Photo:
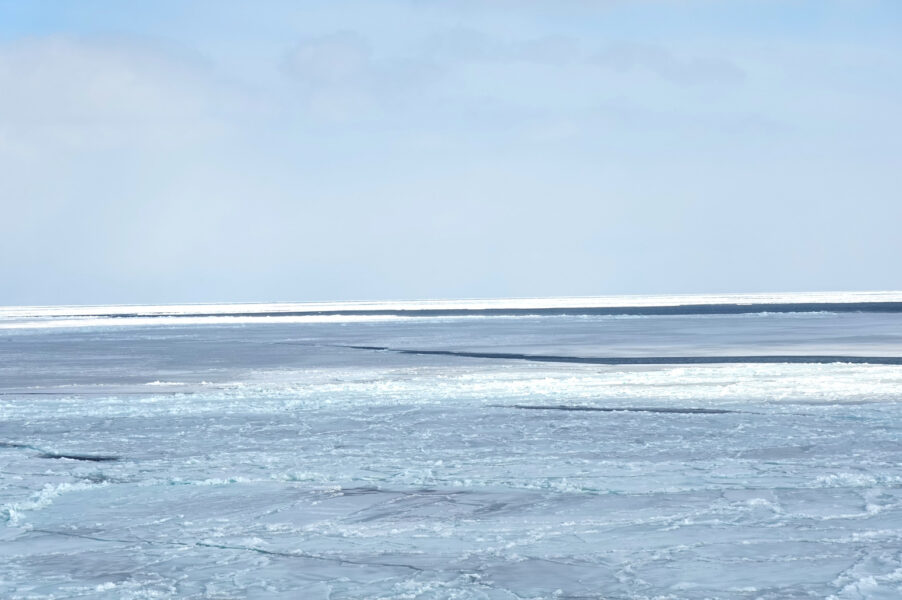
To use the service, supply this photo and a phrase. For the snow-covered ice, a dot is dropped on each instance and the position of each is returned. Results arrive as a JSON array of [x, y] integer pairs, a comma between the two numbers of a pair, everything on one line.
[[274, 459]]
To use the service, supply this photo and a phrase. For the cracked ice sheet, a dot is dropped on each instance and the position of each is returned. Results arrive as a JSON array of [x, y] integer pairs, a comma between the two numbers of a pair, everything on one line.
[[254, 466]]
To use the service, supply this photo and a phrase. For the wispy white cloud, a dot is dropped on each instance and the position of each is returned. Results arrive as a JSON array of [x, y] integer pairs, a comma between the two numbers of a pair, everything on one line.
[[468, 45], [341, 77], [339, 58], [103, 92], [658, 60], [471, 45]]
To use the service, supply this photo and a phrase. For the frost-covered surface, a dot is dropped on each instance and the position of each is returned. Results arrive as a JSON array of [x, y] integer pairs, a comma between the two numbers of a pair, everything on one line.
[[276, 461]]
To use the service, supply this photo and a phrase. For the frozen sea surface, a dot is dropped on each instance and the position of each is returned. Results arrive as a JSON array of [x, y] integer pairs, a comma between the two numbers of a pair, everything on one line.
[[389, 456]]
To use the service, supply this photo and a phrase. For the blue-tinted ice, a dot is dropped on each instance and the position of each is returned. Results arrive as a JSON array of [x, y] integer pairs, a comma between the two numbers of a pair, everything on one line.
[[292, 460]]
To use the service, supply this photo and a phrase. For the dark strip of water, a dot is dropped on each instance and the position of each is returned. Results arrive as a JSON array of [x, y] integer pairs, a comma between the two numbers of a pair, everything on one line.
[[654, 360]]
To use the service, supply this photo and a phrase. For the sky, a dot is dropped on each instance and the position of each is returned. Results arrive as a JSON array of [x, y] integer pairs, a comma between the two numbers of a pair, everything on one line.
[[204, 151]]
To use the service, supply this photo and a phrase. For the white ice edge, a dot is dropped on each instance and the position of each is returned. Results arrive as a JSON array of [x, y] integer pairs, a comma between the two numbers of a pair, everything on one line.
[[12, 312], [47, 322]]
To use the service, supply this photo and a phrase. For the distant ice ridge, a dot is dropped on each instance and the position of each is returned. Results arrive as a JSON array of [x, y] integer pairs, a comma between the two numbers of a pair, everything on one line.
[[52, 321], [19, 317]]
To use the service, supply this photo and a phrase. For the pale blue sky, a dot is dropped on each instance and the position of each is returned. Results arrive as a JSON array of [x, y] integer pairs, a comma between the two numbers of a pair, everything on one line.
[[204, 151]]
